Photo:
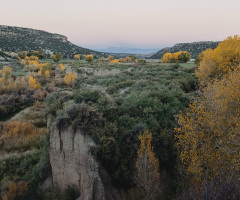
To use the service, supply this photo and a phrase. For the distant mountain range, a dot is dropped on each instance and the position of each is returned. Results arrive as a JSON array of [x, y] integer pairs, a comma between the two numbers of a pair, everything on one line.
[[125, 50], [193, 48], [15, 39]]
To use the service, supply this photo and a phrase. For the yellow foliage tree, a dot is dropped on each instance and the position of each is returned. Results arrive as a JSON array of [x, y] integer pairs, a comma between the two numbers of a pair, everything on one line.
[[110, 58], [115, 61], [208, 137], [215, 63], [47, 74], [147, 167], [167, 58], [38, 86], [77, 57], [176, 56], [19, 134], [89, 58], [121, 60], [23, 82], [33, 62], [128, 59], [32, 83], [6, 72], [34, 58], [69, 78], [62, 67]]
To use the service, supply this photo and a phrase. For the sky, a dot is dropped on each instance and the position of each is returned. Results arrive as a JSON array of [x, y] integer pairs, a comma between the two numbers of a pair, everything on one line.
[[127, 23]]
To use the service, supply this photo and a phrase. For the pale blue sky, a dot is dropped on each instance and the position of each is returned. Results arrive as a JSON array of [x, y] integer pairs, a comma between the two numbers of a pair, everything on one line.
[[131, 23]]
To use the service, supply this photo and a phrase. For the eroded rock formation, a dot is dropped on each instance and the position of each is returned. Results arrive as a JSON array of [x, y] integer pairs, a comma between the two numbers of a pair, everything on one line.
[[73, 164]]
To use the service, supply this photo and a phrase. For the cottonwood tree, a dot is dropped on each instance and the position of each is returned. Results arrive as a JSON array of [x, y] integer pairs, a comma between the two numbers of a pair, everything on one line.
[[62, 67], [147, 176], [69, 78], [33, 84], [215, 63], [178, 57], [77, 57], [167, 58], [89, 58], [209, 133], [110, 58]]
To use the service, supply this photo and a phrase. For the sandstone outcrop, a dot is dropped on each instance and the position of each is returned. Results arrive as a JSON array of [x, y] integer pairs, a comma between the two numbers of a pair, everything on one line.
[[73, 164]]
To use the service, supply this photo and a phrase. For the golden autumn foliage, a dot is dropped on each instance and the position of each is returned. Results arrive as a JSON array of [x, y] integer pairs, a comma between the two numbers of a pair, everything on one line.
[[130, 58], [198, 59], [47, 74], [208, 137], [121, 60], [215, 63], [77, 57], [33, 62], [147, 167], [115, 61], [69, 78], [10, 84], [15, 190], [32, 83], [23, 82], [6, 72], [62, 67], [167, 58], [110, 58], [178, 57], [89, 58], [102, 59], [19, 135], [34, 58]]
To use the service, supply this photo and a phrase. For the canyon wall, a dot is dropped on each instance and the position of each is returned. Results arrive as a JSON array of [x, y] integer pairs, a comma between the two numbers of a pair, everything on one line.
[[73, 164]]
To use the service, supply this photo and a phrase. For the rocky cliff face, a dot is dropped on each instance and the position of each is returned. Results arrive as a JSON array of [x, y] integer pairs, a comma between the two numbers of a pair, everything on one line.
[[73, 164]]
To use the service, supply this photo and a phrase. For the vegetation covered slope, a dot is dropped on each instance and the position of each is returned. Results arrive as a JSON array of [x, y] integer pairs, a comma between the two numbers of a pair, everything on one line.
[[117, 102], [17, 39], [194, 49]]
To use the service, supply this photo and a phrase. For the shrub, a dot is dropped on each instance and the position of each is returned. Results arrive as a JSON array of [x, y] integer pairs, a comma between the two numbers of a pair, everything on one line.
[[56, 57], [89, 58], [20, 135]]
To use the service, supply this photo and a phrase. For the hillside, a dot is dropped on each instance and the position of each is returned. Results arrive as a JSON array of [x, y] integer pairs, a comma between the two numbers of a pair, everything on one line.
[[15, 39], [193, 48]]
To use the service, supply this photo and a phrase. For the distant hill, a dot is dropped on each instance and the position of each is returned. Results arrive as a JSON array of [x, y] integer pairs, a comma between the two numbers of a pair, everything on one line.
[[123, 50], [15, 39], [194, 48]]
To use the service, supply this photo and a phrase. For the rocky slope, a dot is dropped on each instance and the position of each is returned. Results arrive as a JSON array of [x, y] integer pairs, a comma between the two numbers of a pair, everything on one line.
[[194, 49], [73, 164], [15, 39]]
